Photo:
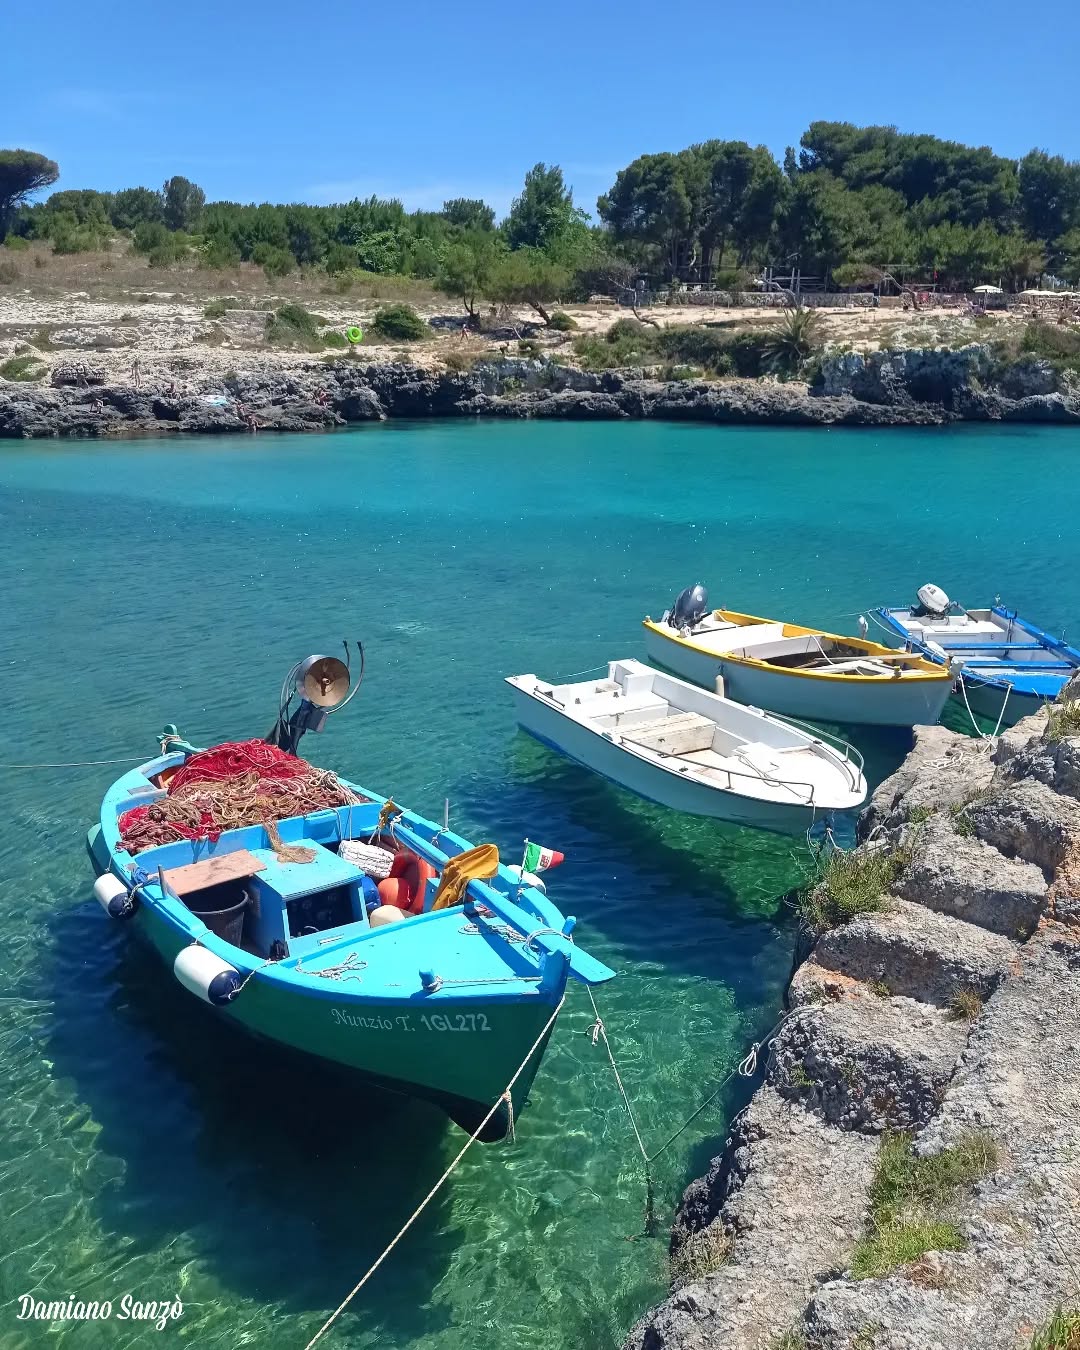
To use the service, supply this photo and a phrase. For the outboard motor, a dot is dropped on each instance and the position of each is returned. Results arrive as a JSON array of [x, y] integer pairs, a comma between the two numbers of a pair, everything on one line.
[[933, 603], [690, 607]]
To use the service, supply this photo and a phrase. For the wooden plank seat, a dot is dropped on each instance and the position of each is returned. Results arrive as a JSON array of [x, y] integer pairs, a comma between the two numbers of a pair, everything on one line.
[[197, 876], [682, 734]]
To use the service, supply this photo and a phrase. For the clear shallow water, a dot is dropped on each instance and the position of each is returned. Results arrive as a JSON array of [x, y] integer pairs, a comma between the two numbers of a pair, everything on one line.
[[140, 1150]]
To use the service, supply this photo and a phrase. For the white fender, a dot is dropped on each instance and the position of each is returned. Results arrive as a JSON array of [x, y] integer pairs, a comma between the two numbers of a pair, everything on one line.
[[108, 887], [206, 975], [382, 915]]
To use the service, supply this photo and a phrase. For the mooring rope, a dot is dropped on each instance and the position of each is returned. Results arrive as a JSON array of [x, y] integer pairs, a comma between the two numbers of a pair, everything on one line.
[[504, 1096], [745, 1068], [1001, 715], [79, 763]]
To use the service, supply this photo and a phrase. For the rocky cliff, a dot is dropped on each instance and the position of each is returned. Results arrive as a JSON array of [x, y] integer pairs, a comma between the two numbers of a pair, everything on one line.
[[908, 1176], [913, 388]]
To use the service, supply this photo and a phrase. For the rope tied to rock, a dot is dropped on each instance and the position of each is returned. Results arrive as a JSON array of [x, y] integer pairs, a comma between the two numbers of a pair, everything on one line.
[[747, 1067]]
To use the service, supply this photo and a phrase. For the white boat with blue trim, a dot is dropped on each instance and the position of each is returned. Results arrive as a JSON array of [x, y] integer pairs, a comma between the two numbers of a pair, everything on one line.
[[692, 750], [1005, 667]]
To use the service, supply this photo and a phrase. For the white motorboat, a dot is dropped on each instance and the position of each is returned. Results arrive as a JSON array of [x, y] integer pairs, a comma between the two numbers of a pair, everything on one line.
[[693, 750], [1006, 667]]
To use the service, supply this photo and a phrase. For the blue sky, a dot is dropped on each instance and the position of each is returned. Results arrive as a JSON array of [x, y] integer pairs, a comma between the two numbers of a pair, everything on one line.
[[435, 98]]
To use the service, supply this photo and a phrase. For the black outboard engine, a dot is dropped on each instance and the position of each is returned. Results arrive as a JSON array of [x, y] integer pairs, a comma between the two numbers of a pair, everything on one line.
[[690, 607]]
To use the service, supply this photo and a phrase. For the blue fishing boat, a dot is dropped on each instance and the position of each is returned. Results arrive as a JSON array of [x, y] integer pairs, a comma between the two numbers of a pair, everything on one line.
[[1004, 667], [321, 915]]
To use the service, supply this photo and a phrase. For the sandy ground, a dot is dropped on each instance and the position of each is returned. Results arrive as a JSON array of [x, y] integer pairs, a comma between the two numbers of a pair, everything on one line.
[[109, 310]]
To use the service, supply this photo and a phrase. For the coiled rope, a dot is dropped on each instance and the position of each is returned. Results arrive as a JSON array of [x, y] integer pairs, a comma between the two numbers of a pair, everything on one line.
[[504, 1096]]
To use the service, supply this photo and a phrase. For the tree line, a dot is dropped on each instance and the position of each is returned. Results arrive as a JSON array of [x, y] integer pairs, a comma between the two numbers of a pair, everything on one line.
[[849, 203]]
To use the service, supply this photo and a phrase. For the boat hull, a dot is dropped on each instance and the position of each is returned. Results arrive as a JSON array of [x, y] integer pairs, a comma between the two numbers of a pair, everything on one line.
[[596, 753], [817, 698], [454, 1053], [999, 639], [987, 700]]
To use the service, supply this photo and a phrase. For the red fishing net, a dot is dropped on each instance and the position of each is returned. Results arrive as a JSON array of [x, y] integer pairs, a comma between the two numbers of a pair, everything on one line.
[[232, 785]]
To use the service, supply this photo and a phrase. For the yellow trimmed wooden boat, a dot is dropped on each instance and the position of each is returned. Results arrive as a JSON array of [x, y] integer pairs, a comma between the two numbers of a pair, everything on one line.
[[798, 671]]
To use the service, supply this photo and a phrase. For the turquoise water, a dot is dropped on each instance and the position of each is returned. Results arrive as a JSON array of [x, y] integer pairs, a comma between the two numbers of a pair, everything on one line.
[[142, 1152]]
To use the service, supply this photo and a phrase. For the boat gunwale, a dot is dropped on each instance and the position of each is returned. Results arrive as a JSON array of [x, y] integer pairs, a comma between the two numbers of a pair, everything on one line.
[[656, 759], [1019, 687], [179, 918], [925, 670]]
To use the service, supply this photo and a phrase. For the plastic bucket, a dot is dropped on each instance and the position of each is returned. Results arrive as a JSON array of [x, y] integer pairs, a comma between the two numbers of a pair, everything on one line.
[[222, 909]]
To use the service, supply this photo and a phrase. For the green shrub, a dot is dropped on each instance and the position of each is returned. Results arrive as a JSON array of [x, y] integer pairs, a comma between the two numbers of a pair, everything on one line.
[[219, 253], [1052, 342], [16, 243], [792, 341], [76, 241], [335, 339], [562, 322], [294, 326], [625, 328], [275, 262], [1064, 720], [400, 322], [216, 309], [149, 235], [341, 259], [23, 369], [850, 884], [701, 1254], [910, 1198], [529, 347]]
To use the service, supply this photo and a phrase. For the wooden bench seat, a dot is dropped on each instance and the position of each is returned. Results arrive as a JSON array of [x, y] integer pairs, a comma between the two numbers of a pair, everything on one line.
[[681, 734]]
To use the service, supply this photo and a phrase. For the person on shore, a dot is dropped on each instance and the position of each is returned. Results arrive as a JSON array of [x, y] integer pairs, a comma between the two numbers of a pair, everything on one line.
[[136, 373]]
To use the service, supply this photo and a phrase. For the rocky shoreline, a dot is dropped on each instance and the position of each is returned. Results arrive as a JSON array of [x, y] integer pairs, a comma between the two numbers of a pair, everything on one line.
[[920, 387], [950, 1011]]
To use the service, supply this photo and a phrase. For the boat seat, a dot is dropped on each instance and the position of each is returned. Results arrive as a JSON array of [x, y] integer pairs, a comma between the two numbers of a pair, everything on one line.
[[683, 734]]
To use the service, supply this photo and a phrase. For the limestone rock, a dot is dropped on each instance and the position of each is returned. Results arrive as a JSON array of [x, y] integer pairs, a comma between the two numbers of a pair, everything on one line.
[[791, 1197], [918, 953], [943, 770], [868, 1063], [967, 878], [1025, 818]]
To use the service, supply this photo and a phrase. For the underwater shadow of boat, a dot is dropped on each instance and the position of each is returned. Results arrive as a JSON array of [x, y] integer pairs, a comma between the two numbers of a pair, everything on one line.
[[226, 1139], [688, 850]]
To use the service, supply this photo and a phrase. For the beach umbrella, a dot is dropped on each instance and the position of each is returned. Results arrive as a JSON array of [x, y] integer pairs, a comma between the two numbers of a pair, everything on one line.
[[988, 290]]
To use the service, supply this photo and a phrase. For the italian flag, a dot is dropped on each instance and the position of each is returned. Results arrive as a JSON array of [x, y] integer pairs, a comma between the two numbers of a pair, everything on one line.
[[538, 859]]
